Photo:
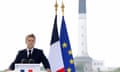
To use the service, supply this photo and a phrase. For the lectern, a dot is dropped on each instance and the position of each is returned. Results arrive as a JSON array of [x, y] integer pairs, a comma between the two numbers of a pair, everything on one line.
[[27, 67]]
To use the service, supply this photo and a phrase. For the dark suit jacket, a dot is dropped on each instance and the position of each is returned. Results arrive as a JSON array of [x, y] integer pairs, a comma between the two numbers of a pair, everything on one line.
[[37, 57]]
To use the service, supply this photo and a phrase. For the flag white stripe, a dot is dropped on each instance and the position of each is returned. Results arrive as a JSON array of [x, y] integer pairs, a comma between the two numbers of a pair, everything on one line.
[[55, 57]]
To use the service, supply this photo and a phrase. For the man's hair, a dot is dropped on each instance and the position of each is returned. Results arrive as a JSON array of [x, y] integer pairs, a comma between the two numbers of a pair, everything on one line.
[[30, 35]]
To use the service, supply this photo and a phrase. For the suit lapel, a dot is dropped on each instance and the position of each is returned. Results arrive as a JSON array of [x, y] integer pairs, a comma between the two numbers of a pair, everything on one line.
[[25, 53], [33, 52]]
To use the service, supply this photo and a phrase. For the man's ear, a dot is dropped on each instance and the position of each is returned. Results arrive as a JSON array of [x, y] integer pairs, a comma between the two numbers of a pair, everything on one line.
[[25, 41]]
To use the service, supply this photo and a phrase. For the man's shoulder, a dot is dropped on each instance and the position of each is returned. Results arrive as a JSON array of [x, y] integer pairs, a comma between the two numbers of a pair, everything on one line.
[[39, 50], [23, 50], [35, 49]]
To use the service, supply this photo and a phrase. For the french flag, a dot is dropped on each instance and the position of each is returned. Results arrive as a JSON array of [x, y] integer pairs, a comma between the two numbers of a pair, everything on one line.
[[55, 54], [29, 70]]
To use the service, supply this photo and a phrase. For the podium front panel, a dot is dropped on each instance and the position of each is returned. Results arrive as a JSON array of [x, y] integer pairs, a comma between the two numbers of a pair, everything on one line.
[[27, 67]]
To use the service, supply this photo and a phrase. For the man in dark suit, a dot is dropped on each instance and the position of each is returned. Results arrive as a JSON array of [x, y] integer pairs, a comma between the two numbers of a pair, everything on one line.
[[30, 55]]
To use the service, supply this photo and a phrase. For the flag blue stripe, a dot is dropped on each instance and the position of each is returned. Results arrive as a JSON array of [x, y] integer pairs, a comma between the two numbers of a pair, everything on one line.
[[55, 36], [22, 70]]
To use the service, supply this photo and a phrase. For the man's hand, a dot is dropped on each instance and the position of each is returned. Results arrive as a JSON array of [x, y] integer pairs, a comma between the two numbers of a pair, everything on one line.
[[48, 70], [7, 70]]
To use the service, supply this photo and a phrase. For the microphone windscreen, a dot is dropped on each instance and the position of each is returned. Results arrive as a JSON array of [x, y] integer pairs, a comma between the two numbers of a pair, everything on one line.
[[24, 61], [31, 61]]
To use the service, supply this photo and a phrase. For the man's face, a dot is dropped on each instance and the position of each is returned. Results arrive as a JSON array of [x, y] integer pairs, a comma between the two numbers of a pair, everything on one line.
[[30, 41]]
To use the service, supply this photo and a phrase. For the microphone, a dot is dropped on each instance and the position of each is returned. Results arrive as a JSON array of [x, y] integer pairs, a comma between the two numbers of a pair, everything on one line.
[[24, 61], [30, 61]]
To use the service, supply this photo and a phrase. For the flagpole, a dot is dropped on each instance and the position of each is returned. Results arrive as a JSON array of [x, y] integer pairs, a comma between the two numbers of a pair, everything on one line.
[[56, 7], [62, 7]]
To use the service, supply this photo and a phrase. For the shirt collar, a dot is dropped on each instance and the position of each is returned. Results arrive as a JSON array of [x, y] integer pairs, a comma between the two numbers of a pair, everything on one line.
[[28, 50]]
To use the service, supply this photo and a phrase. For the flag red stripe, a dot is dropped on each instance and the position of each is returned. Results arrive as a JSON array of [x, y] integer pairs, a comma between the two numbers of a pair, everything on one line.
[[61, 70], [30, 70]]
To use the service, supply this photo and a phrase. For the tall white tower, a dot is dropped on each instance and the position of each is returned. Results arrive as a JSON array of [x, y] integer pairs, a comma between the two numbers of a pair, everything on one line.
[[83, 61], [82, 49]]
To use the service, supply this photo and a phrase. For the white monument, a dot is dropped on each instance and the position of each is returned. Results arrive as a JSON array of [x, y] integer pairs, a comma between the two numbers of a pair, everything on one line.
[[83, 61], [82, 50]]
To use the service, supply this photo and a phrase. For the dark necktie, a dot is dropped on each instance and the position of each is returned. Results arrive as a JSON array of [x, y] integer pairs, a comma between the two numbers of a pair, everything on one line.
[[29, 56]]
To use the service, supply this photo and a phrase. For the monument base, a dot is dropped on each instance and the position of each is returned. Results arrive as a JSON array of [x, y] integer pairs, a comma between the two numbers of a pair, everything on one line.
[[83, 64]]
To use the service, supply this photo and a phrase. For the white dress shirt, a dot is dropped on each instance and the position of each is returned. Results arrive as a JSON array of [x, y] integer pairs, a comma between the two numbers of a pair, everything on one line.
[[28, 51]]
